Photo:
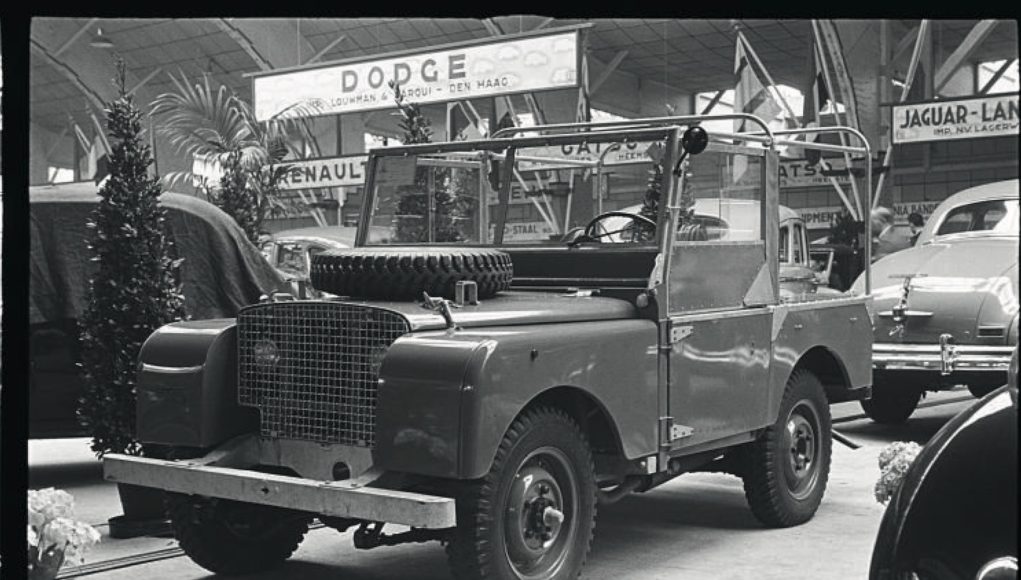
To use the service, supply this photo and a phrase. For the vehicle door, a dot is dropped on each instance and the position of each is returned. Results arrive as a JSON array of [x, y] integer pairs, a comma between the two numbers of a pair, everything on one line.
[[719, 291]]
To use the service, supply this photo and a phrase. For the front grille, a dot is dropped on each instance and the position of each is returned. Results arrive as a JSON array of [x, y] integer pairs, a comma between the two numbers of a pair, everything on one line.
[[311, 368]]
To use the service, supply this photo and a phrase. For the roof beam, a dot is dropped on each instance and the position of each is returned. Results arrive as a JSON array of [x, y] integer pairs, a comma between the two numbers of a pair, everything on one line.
[[67, 43], [244, 42], [322, 52], [145, 80], [612, 66], [907, 40], [996, 76], [963, 52], [68, 72]]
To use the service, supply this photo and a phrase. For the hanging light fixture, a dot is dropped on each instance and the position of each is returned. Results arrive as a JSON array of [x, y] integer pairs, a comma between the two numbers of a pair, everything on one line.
[[100, 41]]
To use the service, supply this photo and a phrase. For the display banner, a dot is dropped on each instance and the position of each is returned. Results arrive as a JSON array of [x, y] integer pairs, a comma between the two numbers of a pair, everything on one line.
[[901, 211], [468, 71], [816, 218], [343, 171], [801, 173], [523, 231], [628, 153], [992, 116]]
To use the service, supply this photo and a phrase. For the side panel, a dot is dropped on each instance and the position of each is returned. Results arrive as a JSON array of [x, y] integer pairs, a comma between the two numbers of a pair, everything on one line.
[[719, 374], [841, 326], [614, 361]]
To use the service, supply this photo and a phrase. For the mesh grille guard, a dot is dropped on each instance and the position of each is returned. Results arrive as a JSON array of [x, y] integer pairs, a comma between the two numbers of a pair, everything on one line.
[[312, 368]]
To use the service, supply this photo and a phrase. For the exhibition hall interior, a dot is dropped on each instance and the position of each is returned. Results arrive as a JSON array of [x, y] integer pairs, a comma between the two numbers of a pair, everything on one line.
[[521, 297]]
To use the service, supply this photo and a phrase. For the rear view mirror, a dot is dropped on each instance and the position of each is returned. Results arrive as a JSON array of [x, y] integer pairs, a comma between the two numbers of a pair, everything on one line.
[[695, 140]]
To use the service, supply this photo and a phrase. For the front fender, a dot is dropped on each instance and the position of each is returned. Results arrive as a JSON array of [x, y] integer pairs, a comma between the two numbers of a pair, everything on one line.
[[447, 398]]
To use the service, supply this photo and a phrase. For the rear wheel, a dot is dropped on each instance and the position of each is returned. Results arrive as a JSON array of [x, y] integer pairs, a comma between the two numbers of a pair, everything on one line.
[[533, 515], [787, 468], [893, 400], [230, 537]]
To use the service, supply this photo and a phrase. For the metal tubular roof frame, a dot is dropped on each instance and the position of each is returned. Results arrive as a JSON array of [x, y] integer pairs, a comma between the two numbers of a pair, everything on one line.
[[865, 148], [647, 121]]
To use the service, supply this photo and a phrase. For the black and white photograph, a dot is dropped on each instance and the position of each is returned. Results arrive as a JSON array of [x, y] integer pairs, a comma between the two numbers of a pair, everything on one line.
[[510, 297]]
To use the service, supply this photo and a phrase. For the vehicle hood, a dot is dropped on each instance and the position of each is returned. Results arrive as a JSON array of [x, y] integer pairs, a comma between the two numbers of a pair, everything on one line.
[[964, 283], [513, 308]]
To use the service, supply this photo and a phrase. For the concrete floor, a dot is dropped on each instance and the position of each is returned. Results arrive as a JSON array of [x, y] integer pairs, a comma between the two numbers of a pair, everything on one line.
[[695, 527]]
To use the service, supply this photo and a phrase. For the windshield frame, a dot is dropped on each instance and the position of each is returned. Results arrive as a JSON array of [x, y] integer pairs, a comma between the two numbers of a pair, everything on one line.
[[507, 148]]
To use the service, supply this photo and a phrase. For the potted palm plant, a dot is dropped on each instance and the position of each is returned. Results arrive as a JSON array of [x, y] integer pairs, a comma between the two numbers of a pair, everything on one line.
[[211, 122]]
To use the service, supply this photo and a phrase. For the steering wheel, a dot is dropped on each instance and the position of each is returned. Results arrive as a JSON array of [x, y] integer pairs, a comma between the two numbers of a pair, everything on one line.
[[590, 234]]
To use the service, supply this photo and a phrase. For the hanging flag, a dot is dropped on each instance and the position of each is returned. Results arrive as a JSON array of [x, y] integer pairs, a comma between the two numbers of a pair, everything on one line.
[[751, 96], [584, 113], [832, 50], [460, 125]]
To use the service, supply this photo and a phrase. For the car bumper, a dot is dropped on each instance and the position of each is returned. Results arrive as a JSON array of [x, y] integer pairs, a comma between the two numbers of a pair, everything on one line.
[[343, 499], [945, 357]]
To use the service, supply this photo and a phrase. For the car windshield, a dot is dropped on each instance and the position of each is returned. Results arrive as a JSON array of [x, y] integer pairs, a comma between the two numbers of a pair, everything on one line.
[[555, 194], [997, 216]]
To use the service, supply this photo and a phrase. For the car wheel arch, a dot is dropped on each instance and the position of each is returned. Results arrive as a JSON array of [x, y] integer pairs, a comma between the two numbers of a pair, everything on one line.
[[828, 367]]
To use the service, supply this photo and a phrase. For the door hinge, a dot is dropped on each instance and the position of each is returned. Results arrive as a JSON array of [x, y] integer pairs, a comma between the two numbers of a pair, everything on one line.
[[679, 333], [669, 432]]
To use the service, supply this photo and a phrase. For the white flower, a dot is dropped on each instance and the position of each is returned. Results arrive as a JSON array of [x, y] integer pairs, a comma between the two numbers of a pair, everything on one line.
[[33, 537], [52, 527], [894, 462], [51, 503]]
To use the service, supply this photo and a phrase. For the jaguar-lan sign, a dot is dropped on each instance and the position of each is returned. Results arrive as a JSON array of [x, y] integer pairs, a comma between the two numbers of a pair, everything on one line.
[[991, 116], [513, 64]]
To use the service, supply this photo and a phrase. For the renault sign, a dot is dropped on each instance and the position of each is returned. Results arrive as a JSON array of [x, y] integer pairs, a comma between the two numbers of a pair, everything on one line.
[[511, 64], [943, 120]]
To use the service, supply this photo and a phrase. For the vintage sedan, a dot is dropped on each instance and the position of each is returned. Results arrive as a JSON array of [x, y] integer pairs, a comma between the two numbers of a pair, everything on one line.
[[955, 513], [946, 310], [291, 251]]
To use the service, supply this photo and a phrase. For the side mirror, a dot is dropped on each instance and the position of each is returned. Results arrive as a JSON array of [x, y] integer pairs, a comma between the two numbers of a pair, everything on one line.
[[695, 140]]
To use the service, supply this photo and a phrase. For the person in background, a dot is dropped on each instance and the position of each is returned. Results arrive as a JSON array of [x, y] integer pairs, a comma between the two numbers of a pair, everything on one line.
[[916, 223], [885, 237]]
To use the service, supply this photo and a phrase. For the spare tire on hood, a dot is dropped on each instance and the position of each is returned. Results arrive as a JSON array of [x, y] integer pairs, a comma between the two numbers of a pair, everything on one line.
[[403, 273]]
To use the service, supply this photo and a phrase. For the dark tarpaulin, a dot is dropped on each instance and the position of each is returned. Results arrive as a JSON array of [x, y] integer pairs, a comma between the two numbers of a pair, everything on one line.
[[222, 271]]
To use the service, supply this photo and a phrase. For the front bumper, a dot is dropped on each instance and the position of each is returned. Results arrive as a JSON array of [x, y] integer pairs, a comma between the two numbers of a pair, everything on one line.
[[345, 499], [945, 357]]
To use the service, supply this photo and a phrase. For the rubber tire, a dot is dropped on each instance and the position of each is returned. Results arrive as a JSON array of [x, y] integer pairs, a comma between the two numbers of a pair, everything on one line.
[[765, 487], [203, 536], [402, 273], [979, 390], [477, 551], [892, 401]]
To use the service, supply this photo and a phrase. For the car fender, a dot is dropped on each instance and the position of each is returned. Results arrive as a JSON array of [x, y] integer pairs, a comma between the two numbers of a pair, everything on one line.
[[446, 417]]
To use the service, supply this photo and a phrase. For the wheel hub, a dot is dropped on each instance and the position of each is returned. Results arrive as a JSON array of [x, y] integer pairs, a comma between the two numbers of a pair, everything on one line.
[[802, 448], [538, 525]]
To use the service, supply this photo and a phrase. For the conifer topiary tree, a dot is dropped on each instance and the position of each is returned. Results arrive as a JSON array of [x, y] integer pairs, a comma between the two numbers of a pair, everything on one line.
[[413, 208], [133, 289]]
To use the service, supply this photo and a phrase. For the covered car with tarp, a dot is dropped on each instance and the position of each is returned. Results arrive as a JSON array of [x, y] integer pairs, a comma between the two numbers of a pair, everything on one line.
[[221, 272]]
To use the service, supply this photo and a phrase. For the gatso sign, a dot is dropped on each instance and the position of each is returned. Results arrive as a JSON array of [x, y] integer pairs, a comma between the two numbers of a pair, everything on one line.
[[522, 63], [992, 116]]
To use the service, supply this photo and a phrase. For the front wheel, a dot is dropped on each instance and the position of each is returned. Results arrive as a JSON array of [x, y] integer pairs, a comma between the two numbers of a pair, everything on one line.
[[532, 516], [786, 469], [231, 537]]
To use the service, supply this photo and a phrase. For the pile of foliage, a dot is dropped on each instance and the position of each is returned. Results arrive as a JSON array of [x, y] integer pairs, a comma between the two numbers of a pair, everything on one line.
[[894, 462]]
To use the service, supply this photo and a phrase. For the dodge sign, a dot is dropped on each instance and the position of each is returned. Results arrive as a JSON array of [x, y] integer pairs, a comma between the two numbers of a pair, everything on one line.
[[523, 63], [992, 116]]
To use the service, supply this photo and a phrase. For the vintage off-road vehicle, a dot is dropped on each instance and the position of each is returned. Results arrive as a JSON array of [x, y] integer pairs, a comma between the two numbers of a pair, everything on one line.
[[493, 359]]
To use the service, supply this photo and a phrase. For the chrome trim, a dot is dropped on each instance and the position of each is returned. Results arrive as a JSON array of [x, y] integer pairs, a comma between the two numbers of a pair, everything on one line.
[[997, 567], [345, 499], [931, 357], [171, 370]]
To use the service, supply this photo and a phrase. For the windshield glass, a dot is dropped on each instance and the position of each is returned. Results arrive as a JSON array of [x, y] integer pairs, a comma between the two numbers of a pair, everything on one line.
[[603, 190], [998, 216]]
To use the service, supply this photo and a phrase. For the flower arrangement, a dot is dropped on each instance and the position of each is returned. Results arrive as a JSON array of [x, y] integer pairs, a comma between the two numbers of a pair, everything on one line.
[[894, 461], [54, 536]]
